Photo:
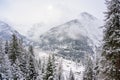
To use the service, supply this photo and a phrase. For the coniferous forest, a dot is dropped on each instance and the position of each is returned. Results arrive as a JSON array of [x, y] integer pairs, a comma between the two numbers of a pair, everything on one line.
[[66, 58]]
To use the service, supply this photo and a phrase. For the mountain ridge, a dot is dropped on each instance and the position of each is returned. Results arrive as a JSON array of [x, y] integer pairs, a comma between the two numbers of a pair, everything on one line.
[[6, 32], [74, 38]]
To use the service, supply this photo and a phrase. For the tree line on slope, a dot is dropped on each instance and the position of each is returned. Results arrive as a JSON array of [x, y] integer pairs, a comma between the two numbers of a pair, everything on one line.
[[19, 63], [16, 63]]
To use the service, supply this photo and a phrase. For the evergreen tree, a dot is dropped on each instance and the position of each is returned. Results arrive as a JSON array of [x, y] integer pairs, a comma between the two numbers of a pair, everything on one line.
[[2, 61], [110, 63], [39, 69], [6, 47], [31, 50], [39, 64], [71, 75], [1, 54], [14, 56], [7, 65], [14, 49], [54, 66], [88, 73], [32, 70], [96, 61], [60, 72], [15, 62], [49, 74], [23, 59], [43, 66]]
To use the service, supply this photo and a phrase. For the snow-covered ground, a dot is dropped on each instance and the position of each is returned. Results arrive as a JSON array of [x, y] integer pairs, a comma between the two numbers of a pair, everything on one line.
[[75, 67], [67, 65]]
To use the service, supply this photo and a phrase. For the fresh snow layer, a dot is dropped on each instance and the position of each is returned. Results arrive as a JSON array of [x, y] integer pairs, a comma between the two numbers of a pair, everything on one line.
[[67, 65], [75, 67]]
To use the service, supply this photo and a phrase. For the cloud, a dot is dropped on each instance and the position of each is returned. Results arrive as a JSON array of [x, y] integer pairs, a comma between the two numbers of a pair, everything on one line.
[[50, 12]]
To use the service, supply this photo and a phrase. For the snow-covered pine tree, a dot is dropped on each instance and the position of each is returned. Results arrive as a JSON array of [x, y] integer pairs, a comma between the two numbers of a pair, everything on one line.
[[14, 49], [43, 66], [39, 64], [88, 73], [6, 47], [96, 60], [7, 61], [59, 71], [49, 73], [54, 66], [39, 69], [110, 63], [23, 60], [71, 75], [31, 50], [3, 66], [32, 70], [1, 59], [14, 53]]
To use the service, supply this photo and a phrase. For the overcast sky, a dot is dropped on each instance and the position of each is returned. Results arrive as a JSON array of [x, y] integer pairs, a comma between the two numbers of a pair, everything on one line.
[[26, 12]]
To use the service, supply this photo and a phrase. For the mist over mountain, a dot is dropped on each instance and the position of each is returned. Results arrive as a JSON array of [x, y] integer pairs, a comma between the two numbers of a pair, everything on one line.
[[74, 38], [72, 41], [59, 40], [81, 35]]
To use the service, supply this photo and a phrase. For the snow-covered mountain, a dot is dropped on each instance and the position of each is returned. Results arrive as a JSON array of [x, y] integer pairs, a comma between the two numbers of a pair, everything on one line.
[[6, 31], [74, 38], [92, 27]]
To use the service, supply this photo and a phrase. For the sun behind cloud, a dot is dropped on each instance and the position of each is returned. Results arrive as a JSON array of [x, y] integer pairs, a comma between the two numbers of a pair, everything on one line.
[[50, 7]]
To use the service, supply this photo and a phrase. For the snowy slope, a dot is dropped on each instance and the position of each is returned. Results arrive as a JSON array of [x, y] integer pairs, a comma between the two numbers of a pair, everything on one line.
[[6, 31], [92, 27], [77, 69], [67, 65]]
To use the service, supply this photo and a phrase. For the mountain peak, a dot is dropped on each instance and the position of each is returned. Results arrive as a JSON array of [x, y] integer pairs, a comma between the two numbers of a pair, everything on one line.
[[85, 15]]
